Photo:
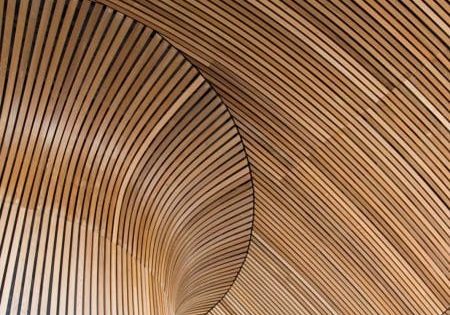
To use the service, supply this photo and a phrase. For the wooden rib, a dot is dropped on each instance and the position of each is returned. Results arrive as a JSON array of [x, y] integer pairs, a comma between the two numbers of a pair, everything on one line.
[[124, 187], [343, 108]]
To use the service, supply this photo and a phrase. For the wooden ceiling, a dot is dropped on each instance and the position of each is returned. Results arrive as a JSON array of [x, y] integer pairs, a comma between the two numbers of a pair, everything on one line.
[[125, 186], [131, 185]]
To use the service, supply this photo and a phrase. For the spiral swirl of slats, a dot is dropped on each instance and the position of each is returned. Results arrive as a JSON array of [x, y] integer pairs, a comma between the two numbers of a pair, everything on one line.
[[122, 195], [124, 187], [343, 107]]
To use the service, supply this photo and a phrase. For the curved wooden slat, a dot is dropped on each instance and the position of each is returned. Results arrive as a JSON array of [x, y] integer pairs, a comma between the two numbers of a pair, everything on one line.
[[124, 187], [343, 108]]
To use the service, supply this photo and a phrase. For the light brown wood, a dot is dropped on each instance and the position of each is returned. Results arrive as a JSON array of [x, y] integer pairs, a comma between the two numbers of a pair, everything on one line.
[[125, 188], [343, 111]]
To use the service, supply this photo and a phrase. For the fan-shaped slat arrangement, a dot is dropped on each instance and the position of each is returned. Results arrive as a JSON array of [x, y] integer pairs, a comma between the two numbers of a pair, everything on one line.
[[343, 108], [125, 188], [124, 185]]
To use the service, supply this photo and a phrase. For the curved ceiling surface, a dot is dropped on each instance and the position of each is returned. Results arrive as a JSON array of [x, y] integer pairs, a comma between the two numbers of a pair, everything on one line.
[[343, 111], [125, 187]]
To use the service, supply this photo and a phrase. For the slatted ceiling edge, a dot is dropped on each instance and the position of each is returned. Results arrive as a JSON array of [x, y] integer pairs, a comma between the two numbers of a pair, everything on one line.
[[96, 117]]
